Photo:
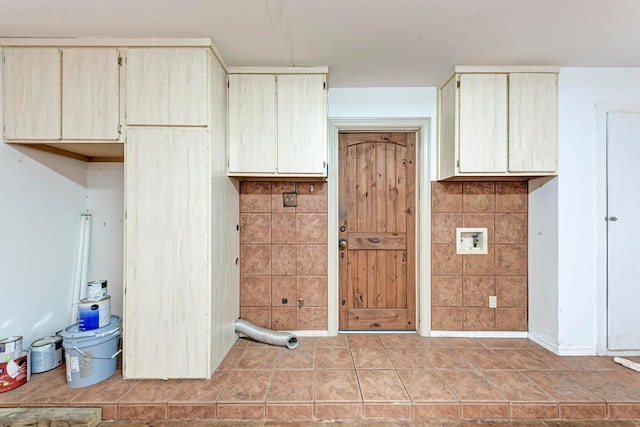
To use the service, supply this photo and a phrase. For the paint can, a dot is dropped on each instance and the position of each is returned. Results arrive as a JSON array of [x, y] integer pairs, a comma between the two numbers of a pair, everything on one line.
[[15, 372], [94, 314], [97, 290], [46, 354], [10, 348]]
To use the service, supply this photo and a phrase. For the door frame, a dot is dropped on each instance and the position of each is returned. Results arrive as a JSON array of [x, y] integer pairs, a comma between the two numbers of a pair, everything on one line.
[[601, 111], [422, 126]]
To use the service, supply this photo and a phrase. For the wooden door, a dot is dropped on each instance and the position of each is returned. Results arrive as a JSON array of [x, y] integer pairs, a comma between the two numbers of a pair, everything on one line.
[[252, 124], [533, 122], [31, 94], [90, 94], [167, 301], [164, 86], [302, 124], [483, 123], [623, 211], [377, 222]]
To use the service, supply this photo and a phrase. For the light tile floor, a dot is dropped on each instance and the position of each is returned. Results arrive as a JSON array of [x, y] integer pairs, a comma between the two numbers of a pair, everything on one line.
[[368, 377]]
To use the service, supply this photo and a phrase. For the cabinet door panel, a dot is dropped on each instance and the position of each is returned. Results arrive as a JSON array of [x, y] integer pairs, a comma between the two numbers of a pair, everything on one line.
[[447, 129], [483, 123], [31, 93], [302, 126], [252, 123], [533, 122], [167, 284], [167, 86], [90, 88]]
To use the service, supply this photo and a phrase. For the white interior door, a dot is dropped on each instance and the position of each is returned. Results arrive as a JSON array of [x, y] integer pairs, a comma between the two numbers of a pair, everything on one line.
[[623, 211]]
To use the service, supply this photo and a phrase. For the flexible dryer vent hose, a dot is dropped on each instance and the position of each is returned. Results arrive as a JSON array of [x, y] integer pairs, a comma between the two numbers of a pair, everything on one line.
[[283, 339]]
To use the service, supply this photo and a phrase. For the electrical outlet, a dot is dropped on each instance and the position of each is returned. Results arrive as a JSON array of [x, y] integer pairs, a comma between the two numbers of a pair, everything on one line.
[[289, 200], [493, 301]]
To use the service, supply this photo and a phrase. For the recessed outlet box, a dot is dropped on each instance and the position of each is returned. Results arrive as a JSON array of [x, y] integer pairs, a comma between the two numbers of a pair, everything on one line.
[[289, 200], [470, 241], [493, 301]]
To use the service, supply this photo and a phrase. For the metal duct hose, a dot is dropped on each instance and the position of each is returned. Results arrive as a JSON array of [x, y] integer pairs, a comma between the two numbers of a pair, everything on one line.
[[283, 339]]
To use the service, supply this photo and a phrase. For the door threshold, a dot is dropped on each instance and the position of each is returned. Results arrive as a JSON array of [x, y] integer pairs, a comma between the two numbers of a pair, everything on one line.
[[368, 331]]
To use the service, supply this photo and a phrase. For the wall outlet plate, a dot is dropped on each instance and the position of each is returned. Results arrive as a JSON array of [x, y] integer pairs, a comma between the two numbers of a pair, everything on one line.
[[493, 301], [290, 200]]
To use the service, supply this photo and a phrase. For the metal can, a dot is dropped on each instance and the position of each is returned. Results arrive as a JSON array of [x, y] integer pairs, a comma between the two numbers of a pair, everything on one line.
[[46, 354], [10, 348], [97, 290]]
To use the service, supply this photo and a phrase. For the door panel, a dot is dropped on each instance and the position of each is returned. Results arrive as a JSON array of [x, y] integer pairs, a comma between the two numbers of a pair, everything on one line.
[[377, 221], [623, 203], [483, 123]]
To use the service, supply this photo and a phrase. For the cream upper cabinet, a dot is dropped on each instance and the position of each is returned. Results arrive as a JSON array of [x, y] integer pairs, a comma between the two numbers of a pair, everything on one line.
[[164, 86], [253, 123], [498, 121], [31, 93], [53, 94], [277, 124], [302, 124], [90, 94]]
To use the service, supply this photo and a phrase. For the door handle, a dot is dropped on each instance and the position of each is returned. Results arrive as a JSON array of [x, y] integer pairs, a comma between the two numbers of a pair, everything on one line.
[[611, 218], [342, 243]]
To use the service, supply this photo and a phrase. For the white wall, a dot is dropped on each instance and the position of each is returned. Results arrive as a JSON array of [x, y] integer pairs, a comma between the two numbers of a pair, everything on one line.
[[105, 203], [543, 262], [578, 241], [41, 198]]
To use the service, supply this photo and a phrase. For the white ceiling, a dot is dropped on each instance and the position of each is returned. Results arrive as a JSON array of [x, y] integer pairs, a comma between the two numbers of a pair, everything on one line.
[[364, 42]]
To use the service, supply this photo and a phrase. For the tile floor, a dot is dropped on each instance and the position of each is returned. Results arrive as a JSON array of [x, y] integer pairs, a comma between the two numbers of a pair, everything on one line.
[[366, 377]]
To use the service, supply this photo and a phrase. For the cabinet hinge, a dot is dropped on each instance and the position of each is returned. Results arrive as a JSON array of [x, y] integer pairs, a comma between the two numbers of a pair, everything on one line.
[[120, 61], [324, 85], [119, 130], [458, 163], [458, 84], [227, 84]]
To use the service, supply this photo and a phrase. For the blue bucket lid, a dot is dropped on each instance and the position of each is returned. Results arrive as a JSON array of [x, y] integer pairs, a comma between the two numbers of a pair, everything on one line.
[[73, 331]]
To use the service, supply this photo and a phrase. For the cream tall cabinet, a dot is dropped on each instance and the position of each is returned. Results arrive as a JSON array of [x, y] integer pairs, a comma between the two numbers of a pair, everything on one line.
[[277, 122], [181, 242], [499, 121], [61, 96]]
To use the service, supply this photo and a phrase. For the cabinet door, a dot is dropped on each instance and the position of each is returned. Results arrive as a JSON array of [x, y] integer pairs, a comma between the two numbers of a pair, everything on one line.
[[167, 283], [302, 124], [31, 93], [533, 122], [90, 94], [167, 86], [252, 123], [483, 123]]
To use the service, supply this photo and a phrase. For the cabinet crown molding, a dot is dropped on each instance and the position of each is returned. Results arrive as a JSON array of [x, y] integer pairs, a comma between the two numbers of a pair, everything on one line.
[[278, 70], [103, 42], [506, 69]]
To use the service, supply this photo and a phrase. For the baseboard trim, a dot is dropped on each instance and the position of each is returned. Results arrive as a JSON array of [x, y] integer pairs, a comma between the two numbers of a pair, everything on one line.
[[563, 350], [480, 334], [311, 333]]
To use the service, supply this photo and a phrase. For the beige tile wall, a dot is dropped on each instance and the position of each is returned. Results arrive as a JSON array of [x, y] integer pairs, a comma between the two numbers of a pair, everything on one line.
[[461, 284], [283, 255]]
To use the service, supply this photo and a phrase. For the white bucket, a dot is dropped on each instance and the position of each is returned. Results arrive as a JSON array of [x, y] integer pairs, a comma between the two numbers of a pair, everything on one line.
[[46, 354], [94, 314], [91, 356]]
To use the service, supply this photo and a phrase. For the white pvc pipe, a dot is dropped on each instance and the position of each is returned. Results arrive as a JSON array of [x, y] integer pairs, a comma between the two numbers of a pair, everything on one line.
[[81, 265], [85, 256]]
